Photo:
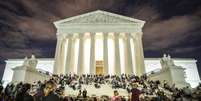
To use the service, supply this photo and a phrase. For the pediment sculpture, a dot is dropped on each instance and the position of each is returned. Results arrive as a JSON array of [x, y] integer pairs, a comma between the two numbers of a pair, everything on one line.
[[166, 61], [30, 62]]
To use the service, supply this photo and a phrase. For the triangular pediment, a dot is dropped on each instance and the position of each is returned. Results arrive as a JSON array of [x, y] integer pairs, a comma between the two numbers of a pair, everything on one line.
[[98, 17]]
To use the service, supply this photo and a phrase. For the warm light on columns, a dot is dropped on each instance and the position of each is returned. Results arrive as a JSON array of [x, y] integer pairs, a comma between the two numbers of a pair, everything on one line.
[[99, 47], [98, 52], [76, 46], [111, 55], [133, 55], [87, 52], [122, 54], [65, 55]]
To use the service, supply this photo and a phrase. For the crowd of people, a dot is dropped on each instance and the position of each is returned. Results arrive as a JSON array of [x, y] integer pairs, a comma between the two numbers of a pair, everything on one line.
[[138, 88]]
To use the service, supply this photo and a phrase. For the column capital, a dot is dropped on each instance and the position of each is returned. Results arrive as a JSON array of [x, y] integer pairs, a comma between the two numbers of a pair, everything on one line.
[[139, 34], [133, 35], [60, 36], [126, 36], [81, 35], [136, 36], [122, 35], [116, 35], [105, 35], [69, 36], [92, 34]]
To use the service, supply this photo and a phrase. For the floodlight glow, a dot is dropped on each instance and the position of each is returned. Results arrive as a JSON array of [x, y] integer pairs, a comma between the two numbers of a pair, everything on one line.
[[122, 55], [65, 54], [99, 48], [111, 56], [76, 55], [133, 55], [87, 46]]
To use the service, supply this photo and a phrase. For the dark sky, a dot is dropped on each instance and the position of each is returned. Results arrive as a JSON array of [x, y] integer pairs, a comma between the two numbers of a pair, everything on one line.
[[172, 26]]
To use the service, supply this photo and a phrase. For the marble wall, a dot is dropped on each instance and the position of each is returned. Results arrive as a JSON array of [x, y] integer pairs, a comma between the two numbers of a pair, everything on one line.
[[151, 64]]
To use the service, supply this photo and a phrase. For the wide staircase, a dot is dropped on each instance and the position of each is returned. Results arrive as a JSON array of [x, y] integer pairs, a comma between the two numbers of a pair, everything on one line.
[[105, 89]]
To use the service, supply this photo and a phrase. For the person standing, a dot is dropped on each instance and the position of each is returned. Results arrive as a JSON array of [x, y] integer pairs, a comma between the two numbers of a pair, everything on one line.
[[23, 94], [48, 93], [135, 93], [116, 96]]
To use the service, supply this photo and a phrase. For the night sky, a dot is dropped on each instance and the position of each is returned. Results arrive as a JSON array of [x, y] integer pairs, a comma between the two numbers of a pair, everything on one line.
[[172, 26]]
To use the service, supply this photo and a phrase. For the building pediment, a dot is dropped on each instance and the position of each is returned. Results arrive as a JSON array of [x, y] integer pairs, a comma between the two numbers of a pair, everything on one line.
[[99, 21], [99, 17]]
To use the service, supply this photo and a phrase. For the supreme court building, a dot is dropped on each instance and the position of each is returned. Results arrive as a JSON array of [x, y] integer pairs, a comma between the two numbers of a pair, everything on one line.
[[99, 42]]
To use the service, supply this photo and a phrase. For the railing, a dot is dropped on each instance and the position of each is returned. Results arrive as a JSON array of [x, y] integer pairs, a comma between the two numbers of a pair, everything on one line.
[[153, 71], [44, 72]]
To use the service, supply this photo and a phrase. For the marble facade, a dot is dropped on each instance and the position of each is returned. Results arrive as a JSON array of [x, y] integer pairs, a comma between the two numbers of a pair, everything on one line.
[[108, 26], [122, 50]]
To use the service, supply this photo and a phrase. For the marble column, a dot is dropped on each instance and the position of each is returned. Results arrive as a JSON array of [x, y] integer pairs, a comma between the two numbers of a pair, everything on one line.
[[105, 53], [117, 55], [63, 57], [139, 54], [128, 54], [80, 68], [70, 50], [92, 54], [58, 55], [72, 58], [142, 69]]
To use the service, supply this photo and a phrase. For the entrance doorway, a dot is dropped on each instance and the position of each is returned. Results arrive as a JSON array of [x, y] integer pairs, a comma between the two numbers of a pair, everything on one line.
[[99, 67]]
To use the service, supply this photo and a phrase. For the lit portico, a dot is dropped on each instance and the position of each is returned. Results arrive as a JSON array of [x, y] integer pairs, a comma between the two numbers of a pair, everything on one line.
[[99, 42]]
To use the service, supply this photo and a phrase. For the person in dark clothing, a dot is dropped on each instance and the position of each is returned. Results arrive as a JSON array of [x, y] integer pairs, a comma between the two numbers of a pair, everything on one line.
[[1, 93], [79, 94], [48, 93], [135, 93], [61, 92], [84, 93], [23, 94], [50, 97], [8, 92]]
